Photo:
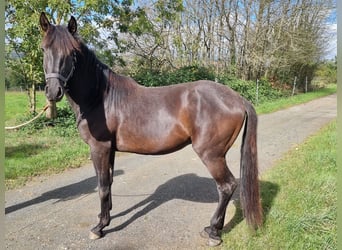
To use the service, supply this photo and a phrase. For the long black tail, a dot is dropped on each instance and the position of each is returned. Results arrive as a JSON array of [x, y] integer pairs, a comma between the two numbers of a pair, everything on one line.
[[249, 187]]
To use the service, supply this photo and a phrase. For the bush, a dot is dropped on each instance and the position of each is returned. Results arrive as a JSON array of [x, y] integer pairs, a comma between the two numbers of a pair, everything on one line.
[[248, 89], [193, 73], [185, 74], [325, 74], [64, 125]]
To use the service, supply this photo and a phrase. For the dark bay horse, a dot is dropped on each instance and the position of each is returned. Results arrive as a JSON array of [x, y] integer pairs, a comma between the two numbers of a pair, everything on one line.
[[114, 113]]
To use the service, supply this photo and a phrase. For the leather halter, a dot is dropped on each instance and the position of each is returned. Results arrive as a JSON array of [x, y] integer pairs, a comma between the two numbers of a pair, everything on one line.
[[61, 77]]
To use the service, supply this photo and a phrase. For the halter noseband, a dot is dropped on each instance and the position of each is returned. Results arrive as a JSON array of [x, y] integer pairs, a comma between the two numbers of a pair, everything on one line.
[[59, 76]]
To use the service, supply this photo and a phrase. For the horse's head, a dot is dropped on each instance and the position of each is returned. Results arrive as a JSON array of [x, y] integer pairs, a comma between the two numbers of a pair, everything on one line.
[[59, 47]]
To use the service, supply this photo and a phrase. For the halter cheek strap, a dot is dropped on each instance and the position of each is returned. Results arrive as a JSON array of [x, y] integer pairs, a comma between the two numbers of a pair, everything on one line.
[[59, 76]]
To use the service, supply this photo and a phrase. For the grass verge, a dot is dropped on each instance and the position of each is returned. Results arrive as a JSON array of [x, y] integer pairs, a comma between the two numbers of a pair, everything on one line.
[[38, 148], [286, 102], [299, 198], [32, 155]]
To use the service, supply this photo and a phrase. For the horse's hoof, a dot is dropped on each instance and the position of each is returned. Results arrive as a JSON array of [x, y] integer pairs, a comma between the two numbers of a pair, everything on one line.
[[214, 242], [204, 234], [94, 236]]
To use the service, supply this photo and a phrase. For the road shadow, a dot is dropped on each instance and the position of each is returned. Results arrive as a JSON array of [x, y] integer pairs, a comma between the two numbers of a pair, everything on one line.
[[68, 192], [191, 187]]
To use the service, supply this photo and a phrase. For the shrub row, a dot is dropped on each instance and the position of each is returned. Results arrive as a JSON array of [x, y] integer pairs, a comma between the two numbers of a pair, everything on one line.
[[248, 89]]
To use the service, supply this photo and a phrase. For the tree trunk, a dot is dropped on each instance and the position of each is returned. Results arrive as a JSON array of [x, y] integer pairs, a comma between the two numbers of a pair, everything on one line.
[[32, 97], [32, 93]]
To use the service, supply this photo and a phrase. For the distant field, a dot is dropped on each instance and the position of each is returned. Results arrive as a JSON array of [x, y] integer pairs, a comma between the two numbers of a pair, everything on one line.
[[17, 105]]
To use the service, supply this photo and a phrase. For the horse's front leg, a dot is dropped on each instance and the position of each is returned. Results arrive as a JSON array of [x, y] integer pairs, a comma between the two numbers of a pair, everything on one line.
[[102, 161]]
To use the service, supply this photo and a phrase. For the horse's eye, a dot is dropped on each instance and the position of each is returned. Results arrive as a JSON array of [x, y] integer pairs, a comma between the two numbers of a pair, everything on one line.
[[42, 49]]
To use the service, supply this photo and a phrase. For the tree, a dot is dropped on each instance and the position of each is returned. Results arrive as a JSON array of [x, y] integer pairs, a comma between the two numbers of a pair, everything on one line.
[[250, 39], [23, 55], [150, 34], [23, 36]]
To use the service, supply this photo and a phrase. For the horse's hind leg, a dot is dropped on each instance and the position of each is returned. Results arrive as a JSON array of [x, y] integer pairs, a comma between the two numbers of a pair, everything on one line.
[[111, 176], [226, 184]]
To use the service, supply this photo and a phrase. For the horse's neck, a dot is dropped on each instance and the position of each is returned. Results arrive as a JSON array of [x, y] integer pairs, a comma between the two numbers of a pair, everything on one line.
[[92, 82], [86, 85], [95, 84]]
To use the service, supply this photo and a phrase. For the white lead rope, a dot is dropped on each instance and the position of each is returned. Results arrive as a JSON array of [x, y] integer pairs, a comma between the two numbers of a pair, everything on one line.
[[34, 118]]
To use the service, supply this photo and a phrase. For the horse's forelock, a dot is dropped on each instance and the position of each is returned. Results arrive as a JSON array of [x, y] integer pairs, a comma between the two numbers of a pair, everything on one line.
[[58, 37]]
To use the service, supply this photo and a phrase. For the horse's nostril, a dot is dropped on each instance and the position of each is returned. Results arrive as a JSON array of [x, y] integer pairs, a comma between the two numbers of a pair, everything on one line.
[[60, 92]]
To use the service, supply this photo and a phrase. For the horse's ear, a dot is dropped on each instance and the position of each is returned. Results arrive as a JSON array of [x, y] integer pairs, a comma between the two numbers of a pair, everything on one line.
[[44, 22], [72, 25]]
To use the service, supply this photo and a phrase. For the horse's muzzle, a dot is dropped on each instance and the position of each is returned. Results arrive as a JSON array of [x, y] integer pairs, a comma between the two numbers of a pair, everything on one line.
[[53, 90]]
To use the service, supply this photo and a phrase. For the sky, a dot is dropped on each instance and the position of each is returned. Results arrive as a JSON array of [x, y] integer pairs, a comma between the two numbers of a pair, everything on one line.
[[331, 51], [332, 46]]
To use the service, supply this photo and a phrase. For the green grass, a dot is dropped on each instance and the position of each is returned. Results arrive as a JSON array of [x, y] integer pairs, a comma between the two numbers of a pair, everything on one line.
[[286, 102], [299, 199], [32, 155], [17, 106], [30, 152]]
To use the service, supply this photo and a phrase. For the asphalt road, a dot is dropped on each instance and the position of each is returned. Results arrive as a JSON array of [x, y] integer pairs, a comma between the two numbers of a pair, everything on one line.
[[159, 202]]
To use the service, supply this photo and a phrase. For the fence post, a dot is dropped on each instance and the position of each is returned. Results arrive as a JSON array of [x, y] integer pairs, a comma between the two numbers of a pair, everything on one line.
[[294, 85], [51, 112], [257, 92]]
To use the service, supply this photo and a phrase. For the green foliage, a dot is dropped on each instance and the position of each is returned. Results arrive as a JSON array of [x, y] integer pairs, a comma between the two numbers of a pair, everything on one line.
[[248, 89], [23, 55], [23, 35], [102, 23], [326, 73], [17, 112], [64, 125], [185, 74], [193, 73], [169, 10]]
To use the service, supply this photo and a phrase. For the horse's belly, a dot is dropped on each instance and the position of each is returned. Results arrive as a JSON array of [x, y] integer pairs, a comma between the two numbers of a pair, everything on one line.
[[158, 143]]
